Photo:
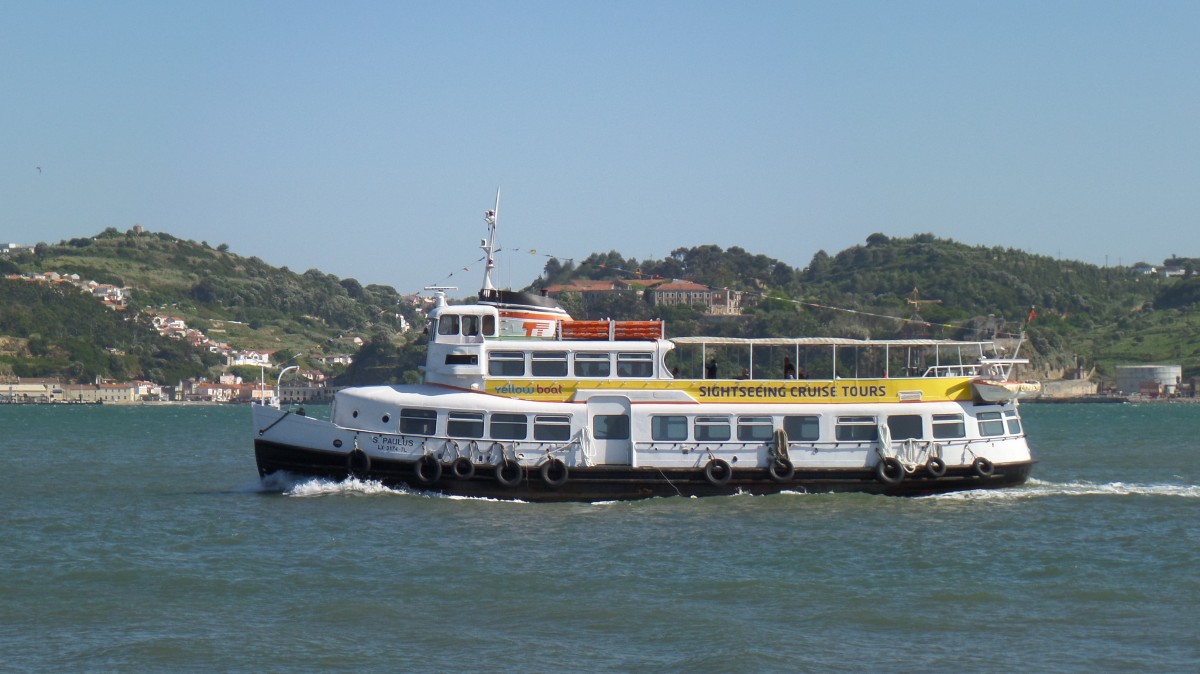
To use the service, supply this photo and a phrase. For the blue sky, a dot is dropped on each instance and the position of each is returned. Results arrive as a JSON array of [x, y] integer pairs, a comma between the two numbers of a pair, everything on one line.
[[365, 139]]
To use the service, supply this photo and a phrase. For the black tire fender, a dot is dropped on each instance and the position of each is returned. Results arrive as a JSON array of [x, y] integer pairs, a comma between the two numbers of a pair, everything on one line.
[[555, 472], [462, 468], [890, 471], [983, 467], [509, 473], [428, 469], [718, 472], [935, 467], [358, 464], [781, 469]]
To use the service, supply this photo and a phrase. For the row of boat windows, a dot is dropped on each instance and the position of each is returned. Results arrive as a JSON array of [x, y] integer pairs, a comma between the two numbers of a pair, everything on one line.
[[559, 363], [704, 428], [468, 324]]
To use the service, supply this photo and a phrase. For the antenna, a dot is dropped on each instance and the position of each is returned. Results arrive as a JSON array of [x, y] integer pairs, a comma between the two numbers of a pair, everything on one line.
[[489, 246]]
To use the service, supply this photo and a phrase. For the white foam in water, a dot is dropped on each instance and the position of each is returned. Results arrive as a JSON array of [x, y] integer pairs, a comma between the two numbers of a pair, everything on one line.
[[319, 487], [1040, 488], [309, 487]]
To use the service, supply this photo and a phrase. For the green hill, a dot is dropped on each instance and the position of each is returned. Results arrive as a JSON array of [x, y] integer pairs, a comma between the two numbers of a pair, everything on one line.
[[243, 302], [1086, 315]]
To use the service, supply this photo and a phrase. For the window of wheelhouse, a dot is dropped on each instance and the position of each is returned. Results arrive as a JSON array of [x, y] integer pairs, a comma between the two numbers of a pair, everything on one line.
[[635, 365], [754, 429], [668, 428], [592, 365], [506, 364], [415, 421], [856, 429], [990, 424], [552, 427], [510, 426], [470, 325], [611, 426], [905, 426], [464, 424], [1013, 421], [448, 324], [712, 429], [550, 364], [948, 427], [806, 427]]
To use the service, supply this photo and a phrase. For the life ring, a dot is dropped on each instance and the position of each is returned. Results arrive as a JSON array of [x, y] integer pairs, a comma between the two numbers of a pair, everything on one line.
[[781, 469], [983, 467], [358, 464], [508, 473], [889, 470], [718, 472], [428, 469], [935, 467], [462, 468], [554, 472]]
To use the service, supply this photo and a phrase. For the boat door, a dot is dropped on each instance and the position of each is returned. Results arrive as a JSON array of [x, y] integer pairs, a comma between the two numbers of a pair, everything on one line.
[[608, 419]]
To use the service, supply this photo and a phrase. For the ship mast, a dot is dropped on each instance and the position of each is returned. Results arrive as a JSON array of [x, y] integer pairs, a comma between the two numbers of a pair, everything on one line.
[[489, 247]]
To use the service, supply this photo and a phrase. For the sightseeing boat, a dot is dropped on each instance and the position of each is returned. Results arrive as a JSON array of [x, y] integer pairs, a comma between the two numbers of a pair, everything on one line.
[[519, 401]]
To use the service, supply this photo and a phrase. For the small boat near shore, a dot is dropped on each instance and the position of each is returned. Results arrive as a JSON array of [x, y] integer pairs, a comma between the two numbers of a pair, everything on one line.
[[998, 383], [519, 401]]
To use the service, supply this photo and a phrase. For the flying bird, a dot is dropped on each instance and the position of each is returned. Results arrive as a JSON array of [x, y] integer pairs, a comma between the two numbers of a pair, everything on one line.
[[39, 168]]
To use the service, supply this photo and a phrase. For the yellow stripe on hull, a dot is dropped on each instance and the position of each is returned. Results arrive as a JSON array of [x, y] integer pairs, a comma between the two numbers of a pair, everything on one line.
[[758, 391]]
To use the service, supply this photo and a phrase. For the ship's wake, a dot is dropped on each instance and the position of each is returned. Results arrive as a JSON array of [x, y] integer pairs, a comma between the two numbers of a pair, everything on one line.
[[1042, 489], [311, 487]]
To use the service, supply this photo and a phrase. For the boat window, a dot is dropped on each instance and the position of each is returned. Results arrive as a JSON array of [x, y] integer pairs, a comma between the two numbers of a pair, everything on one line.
[[712, 429], [470, 325], [751, 429], [465, 425], [550, 364], [905, 426], [553, 427], [948, 426], [635, 365], [990, 424], [592, 365], [1014, 422], [509, 426], [856, 429], [489, 325], [506, 364], [611, 426], [448, 325], [462, 359], [802, 427], [417, 422], [668, 428]]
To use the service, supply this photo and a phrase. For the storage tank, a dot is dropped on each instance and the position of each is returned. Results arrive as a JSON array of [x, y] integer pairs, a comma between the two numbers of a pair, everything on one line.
[[1149, 379]]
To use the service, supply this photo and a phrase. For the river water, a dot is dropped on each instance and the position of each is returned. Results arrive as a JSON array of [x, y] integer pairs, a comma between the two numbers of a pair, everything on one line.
[[140, 538]]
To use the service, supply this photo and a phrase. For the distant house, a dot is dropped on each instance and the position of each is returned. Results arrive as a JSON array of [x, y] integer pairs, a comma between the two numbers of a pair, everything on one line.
[[295, 393], [31, 390], [256, 358], [674, 293], [726, 302], [12, 248]]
